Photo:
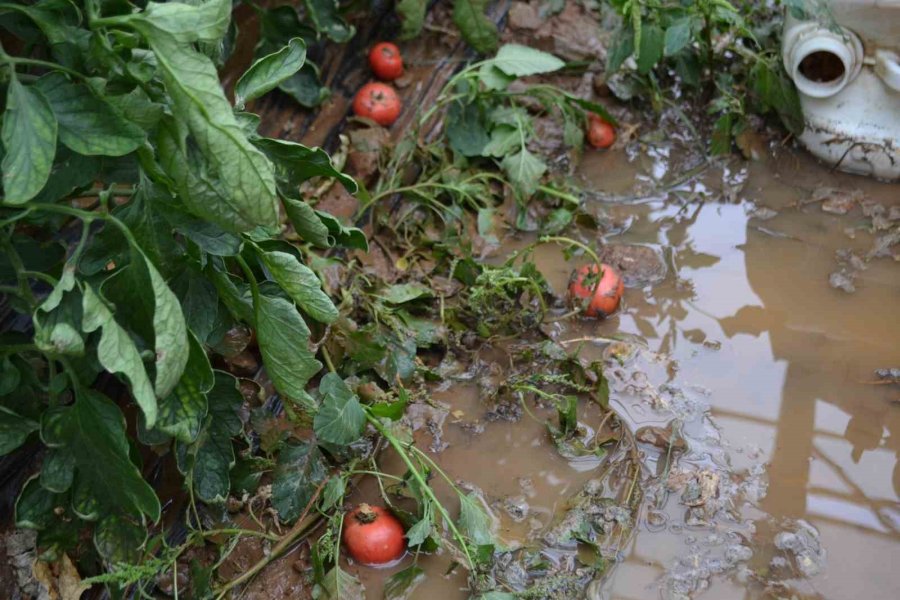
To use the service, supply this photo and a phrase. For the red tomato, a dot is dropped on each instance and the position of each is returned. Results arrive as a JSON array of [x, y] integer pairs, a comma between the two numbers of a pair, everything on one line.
[[386, 62], [600, 134], [377, 101], [604, 296], [373, 536]]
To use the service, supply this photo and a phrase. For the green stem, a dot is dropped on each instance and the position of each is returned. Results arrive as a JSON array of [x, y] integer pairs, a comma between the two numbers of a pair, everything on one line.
[[327, 356], [24, 289], [426, 489], [248, 273], [247, 532], [558, 194], [15, 60]]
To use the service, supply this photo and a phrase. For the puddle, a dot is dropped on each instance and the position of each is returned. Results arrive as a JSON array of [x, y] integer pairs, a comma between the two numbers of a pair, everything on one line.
[[766, 370]]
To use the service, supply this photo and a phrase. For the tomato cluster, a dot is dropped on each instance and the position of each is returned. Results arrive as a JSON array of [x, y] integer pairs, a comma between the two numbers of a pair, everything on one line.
[[379, 101]]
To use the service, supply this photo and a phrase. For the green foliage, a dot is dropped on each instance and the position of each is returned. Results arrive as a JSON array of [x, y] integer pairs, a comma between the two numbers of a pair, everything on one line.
[[123, 148], [468, 15], [723, 47]]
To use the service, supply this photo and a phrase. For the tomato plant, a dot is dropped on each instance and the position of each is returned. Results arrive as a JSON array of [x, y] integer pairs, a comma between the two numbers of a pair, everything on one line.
[[138, 229]]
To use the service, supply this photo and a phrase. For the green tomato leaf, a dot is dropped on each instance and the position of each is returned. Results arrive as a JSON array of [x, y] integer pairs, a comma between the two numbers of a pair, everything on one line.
[[269, 72], [117, 352], [296, 163], [92, 430], [333, 492], [35, 505], [210, 459], [519, 61], [301, 284], [401, 293], [651, 47], [504, 139], [307, 223], [525, 170], [59, 331], [678, 36], [87, 123], [84, 502], [347, 237], [182, 412], [465, 129], [29, 137], [493, 78], [478, 31], [169, 328], [58, 470], [284, 344], [14, 430], [305, 86], [420, 532], [412, 16], [234, 185], [119, 540], [327, 20], [203, 21], [341, 418], [299, 471], [199, 301]]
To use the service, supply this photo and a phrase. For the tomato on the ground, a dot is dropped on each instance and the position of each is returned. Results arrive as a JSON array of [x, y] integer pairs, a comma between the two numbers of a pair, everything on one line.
[[379, 102], [600, 133], [373, 535], [604, 296], [386, 62]]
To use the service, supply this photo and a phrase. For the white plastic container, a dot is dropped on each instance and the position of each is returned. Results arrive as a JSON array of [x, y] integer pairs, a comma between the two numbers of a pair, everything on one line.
[[847, 71]]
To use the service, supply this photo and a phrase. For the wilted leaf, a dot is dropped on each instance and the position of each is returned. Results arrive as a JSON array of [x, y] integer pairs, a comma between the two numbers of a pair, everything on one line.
[[284, 344], [301, 284], [340, 418], [520, 61], [478, 31], [117, 353], [300, 470], [412, 17]]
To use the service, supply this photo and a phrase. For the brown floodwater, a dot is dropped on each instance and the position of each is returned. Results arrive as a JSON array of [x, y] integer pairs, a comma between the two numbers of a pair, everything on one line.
[[780, 363]]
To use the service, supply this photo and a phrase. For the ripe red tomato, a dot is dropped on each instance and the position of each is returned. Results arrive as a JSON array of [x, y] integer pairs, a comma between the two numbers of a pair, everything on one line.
[[379, 102], [605, 298], [386, 62], [600, 134], [373, 536]]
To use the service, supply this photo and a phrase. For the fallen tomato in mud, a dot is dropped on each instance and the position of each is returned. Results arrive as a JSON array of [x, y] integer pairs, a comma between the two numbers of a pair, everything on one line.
[[377, 101], [386, 62], [604, 296], [600, 134], [373, 535]]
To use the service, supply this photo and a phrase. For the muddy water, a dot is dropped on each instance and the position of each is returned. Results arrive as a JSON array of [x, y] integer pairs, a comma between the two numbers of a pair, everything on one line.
[[746, 322]]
